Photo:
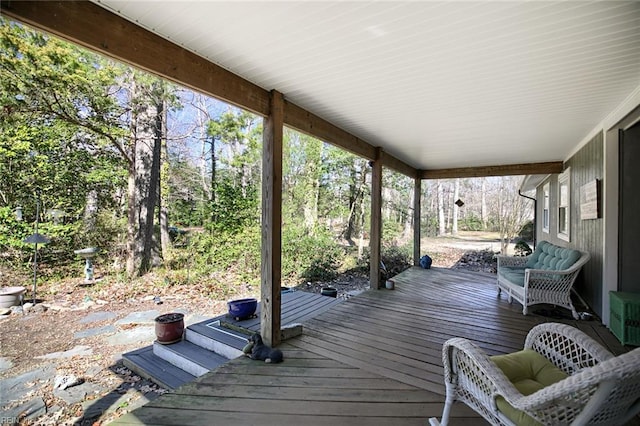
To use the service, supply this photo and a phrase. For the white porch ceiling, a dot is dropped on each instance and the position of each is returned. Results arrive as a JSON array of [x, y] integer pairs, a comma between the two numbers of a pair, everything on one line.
[[436, 84]]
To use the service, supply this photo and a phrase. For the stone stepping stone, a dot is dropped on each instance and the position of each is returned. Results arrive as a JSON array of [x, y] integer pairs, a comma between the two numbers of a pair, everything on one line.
[[94, 331], [28, 411], [135, 335], [144, 317], [76, 351], [78, 393], [14, 388], [97, 316], [5, 364]]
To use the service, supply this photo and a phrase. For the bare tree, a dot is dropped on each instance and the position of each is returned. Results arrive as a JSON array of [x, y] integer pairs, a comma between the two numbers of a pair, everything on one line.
[[513, 211], [163, 210], [408, 224], [357, 182], [456, 194], [144, 174], [441, 223], [483, 208]]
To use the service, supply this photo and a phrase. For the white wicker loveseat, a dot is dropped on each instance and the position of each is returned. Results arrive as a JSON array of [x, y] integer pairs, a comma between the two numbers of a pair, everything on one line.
[[546, 276], [597, 387]]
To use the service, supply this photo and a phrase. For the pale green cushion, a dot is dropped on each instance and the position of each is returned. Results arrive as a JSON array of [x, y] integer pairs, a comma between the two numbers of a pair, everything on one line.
[[551, 257], [533, 258], [529, 372], [514, 275]]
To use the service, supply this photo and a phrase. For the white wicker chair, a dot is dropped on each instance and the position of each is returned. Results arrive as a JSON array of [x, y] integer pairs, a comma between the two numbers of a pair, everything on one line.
[[601, 389], [540, 285]]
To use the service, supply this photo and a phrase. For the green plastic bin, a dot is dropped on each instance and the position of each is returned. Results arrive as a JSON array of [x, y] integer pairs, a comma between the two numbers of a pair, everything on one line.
[[624, 320]]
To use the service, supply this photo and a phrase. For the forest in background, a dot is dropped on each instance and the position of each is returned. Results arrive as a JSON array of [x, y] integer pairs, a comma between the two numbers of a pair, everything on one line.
[[159, 177]]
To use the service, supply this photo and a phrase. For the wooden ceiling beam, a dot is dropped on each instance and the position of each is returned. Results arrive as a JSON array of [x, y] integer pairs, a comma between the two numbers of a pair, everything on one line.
[[98, 29], [552, 167], [306, 122], [309, 123], [391, 162]]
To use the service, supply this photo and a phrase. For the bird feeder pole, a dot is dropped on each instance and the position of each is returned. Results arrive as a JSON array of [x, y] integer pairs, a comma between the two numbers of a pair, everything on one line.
[[35, 239]]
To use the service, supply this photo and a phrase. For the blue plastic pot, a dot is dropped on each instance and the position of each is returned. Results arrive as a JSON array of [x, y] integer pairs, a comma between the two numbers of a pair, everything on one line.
[[242, 308]]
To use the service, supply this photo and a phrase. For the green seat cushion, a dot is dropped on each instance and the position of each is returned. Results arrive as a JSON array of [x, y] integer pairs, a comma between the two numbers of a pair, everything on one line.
[[514, 275], [529, 372]]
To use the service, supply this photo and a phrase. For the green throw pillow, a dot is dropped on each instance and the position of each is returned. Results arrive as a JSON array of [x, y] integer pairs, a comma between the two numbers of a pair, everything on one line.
[[529, 372]]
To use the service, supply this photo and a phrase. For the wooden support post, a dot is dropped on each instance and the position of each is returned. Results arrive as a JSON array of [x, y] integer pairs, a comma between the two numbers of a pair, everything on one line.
[[417, 196], [375, 233], [271, 221]]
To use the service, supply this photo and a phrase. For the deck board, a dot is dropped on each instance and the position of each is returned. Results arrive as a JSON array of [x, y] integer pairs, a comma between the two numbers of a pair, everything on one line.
[[200, 417], [374, 359], [296, 307]]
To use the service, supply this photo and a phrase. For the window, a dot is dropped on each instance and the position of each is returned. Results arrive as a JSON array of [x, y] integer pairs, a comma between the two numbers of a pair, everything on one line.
[[564, 205], [545, 208]]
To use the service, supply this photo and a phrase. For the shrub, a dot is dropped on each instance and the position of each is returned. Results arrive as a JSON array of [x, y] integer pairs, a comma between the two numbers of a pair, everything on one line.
[[395, 259], [391, 230], [429, 226], [18, 254], [12, 233], [220, 250], [320, 269], [471, 223], [309, 256], [522, 248], [61, 248], [526, 232]]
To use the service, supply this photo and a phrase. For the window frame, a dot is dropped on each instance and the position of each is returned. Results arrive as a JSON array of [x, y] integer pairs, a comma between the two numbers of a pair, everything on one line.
[[564, 205], [545, 208]]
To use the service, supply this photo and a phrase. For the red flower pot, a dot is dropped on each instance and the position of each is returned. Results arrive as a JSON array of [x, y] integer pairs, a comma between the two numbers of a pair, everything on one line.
[[169, 328]]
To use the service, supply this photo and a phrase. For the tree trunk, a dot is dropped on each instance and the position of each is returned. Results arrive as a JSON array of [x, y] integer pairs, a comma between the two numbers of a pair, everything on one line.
[[163, 211], [134, 247], [144, 174], [483, 207], [512, 213], [456, 193], [202, 120], [212, 191], [408, 223], [362, 210], [91, 211], [353, 198], [503, 237], [385, 212], [441, 222], [314, 169]]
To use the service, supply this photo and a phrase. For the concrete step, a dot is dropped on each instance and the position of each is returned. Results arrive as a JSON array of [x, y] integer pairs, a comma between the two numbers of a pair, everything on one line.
[[146, 364], [189, 357], [227, 342], [224, 342], [206, 346]]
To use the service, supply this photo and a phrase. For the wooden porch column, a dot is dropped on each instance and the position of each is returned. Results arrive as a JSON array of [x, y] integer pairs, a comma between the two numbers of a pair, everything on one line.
[[270, 307], [375, 233], [417, 196]]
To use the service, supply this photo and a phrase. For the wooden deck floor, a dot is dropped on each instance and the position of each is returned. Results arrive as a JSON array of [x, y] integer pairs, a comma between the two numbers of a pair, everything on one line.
[[374, 359]]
